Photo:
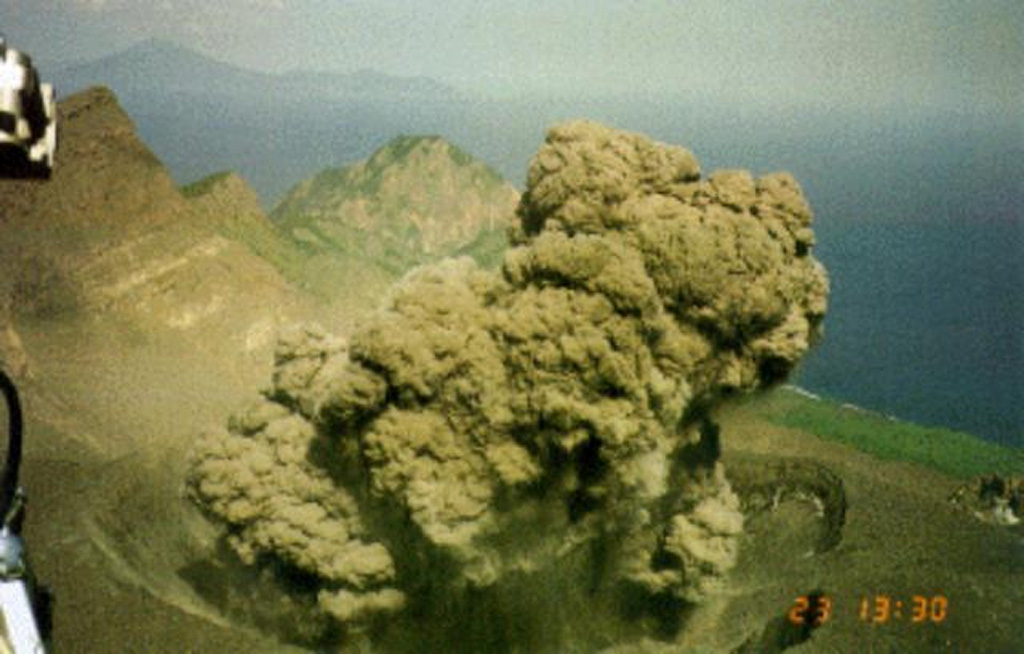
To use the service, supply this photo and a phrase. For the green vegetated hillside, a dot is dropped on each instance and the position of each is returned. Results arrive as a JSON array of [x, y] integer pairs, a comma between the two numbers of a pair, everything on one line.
[[487, 249], [343, 282], [417, 199], [954, 453], [346, 234]]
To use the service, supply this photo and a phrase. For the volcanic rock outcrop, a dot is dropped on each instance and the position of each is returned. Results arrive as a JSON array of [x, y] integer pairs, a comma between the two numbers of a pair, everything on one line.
[[541, 430]]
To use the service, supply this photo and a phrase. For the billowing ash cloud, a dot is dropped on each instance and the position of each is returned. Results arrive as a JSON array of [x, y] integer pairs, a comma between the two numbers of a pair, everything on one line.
[[538, 435]]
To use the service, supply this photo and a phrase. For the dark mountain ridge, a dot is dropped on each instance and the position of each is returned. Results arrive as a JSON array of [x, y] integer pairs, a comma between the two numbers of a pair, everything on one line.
[[159, 65], [109, 244]]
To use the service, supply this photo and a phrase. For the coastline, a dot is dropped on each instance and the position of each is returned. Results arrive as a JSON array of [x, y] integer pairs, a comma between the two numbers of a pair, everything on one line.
[[954, 452]]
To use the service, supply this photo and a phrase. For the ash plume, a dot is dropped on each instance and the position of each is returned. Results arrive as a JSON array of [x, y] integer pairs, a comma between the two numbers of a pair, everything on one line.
[[537, 436]]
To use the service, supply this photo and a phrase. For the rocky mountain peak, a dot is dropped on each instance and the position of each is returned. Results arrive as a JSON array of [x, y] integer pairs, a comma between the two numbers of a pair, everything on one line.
[[413, 148], [92, 102], [62, 240], [104, 176], [417, 197], [110, 236], [224, 191]]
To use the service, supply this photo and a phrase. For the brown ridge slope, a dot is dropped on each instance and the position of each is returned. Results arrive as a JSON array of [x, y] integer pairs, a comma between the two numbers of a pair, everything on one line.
[[129, 323], [108, 261], [228, 205]]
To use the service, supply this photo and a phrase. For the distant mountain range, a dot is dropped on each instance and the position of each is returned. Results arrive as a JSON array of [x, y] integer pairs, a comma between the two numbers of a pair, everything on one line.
[[161, 66], [203, 115]]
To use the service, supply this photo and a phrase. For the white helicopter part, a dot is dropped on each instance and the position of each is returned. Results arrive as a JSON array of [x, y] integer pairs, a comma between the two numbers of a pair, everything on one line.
[[18, 631]]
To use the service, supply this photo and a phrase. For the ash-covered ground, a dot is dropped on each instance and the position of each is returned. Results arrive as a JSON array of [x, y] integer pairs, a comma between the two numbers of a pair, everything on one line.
[[525, 460]]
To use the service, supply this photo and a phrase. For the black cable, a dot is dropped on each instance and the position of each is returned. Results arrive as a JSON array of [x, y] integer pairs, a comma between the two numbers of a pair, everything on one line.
[[40, 597], [9, 480]]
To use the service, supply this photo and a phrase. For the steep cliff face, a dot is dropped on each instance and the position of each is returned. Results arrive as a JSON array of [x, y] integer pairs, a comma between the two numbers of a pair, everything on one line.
[[106, 180], [122, 295], [111, 235], [129, 318], [416, 199]]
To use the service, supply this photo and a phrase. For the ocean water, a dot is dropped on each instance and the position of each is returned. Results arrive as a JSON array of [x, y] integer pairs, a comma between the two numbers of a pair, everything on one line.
[[922, 232], [926, 323]]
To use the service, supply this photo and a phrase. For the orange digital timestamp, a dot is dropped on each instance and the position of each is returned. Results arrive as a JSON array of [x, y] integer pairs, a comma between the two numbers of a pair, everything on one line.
[[814, 610], [883, 608]]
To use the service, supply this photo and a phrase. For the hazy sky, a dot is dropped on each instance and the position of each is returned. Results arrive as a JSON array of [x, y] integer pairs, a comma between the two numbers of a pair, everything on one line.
[[944, 53]]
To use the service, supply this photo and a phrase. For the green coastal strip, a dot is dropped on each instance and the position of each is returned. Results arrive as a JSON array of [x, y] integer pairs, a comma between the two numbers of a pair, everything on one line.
[[956, 453]]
